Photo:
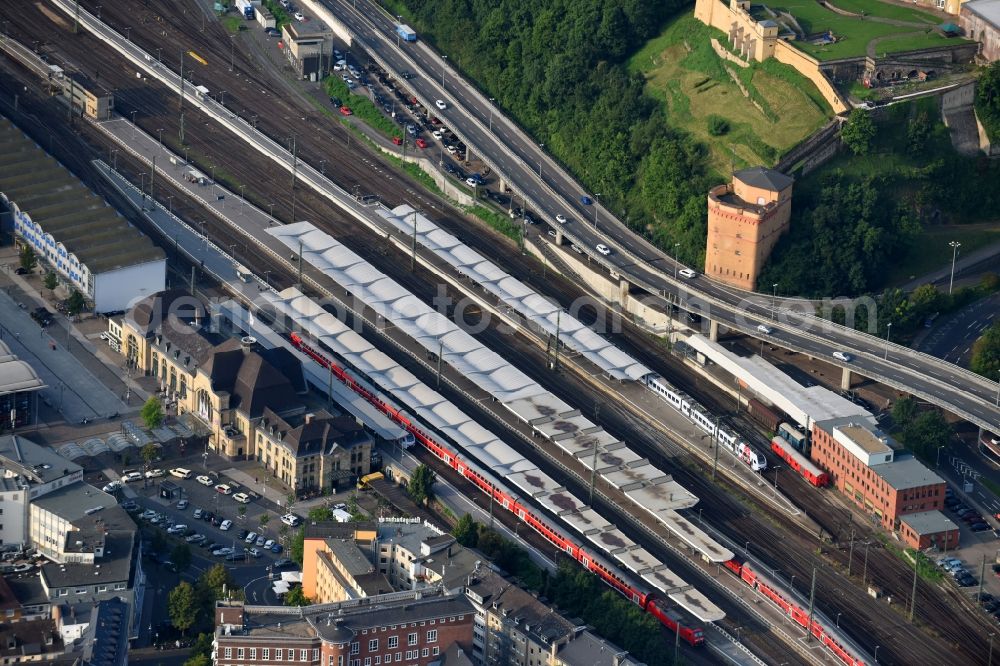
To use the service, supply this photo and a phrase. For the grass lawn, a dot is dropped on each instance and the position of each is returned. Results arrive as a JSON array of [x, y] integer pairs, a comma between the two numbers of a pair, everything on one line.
[[931, 250], [853, 33], [915, 41], [886, 10], [694, 85]]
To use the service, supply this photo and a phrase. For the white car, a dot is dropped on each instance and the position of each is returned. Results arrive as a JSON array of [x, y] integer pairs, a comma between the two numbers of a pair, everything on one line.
[[437, 134], [195, 538], [687, 273], [183, 504], [204, 480], [132, 476], [261, 540], [603, 249], [155, 473], [452, 150], [299, 17], [340, 66], [762, 328], [198, 512], [269, 543], [224, 489], [253, 552], [242, 498], [290, 519], [471, 182], [842, 356], [177, 529], [441, 104], [222, 552], [251, 538], [112, 487], [226, 524], [561, 219]]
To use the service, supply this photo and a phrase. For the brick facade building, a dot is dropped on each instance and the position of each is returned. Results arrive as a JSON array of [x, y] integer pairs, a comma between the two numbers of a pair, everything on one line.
[[745, 220], [865, 466], [400, 628]]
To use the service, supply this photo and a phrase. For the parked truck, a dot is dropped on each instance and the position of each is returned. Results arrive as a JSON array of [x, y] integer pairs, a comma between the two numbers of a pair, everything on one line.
[[246, 7], [406, 32]]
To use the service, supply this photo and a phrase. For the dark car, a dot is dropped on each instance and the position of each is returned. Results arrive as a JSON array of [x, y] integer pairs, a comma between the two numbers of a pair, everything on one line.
[[966, 580], [336, 101], [276, 548], [243, 535], [217, 520], [979, 527], [207, 516], [406, 74], [283, 562], [21, 270]]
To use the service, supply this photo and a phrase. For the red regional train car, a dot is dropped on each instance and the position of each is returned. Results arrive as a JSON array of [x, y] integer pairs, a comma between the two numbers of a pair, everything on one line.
[[689, 630], [799, 615], [805, 467]]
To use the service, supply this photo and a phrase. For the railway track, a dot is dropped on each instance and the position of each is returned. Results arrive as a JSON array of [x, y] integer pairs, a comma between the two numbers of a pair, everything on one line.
[[156, 111]]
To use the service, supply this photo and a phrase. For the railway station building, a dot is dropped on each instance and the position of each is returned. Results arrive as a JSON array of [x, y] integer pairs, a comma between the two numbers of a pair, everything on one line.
[[19, 389], [745, 220], [867, 466], [72, 231], [254, 401]]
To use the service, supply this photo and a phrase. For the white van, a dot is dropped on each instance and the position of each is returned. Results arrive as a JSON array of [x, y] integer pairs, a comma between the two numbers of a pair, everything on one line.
[[180, 473], [688, 273]]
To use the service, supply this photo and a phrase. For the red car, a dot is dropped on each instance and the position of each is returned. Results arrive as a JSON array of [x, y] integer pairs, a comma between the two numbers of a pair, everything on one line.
[[397, 140], [435, 121], [346, 111], [421, 143]]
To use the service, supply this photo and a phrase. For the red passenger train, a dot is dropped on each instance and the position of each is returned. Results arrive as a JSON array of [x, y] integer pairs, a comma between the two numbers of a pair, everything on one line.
[[669, 617], [799, 615], [805, 467]]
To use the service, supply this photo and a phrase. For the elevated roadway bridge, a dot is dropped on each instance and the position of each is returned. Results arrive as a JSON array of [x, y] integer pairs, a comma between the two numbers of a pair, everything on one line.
[[524, 167]]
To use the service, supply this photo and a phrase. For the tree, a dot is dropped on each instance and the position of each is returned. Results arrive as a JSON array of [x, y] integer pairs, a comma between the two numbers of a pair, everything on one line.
[[75, 303], [149, 452], [181, 556], [152, 412], [199, 660], [296, 597], [182, 606], [904, 411], [263, 520], [283, 533], [988, 99], [717, 125], [320, 514], [858, 132], [917, 132], [297, 547], [986, 353], [27, 258], [50, 281], [217, 582], [421, 485], [926, 433], [466, 531]]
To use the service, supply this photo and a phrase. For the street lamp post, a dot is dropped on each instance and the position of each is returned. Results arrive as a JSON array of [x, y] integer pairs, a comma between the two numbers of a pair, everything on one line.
[[243, 189], [597, 202], [322, 167], [888, 329], [876, 653], [142, 190], [838, 619], [954, 255], [445, 58], [492, 99], [128, 33], [133, 123], [159, 134], [676, 262], [774, 299], [937, 460], [170, 205]]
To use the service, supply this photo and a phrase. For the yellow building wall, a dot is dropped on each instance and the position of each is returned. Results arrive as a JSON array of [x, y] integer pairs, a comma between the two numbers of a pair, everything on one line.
[[808, 67]]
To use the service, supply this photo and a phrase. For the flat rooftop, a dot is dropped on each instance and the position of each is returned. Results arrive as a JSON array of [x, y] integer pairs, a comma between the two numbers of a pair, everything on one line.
[[866, 439], [65, 208], [37, 464], [906, 472], [928, 522]]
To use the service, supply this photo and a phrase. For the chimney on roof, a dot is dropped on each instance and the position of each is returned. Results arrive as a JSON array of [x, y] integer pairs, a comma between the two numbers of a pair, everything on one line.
[[247, 342]]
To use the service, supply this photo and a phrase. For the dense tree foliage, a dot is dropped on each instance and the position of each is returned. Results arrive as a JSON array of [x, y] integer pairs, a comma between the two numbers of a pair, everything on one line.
[[152, 412], [296, 597], [466, 531], [986, 353], [923, 432], [988, 100], [421, 487], [858, 132], [842, 241], [27, 259], [564, 79], [182, 606]]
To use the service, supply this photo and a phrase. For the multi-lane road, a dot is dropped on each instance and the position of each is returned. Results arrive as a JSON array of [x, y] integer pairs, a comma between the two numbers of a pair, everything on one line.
[[523, 164]]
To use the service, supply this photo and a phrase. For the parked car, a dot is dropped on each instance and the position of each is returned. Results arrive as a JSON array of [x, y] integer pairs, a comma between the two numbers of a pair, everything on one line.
[[251, 538], [291, 519], [155, 473], [242, 534], [198, 513], [182, 504], [226, 525], [242, 498], [180, 528], [299, 17], [283, 562], [979, 527], [346, 111], [222, 552], [128, 477], [277, 548], [195, 538], [204, 480], [114, 486], [224, 489], [261, 540], [253, 552], [421, 143], [269, 543], [207, 516]]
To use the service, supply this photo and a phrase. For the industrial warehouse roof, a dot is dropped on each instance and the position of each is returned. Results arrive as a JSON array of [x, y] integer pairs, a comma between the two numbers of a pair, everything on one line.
[[906, 472], [63, 207], [547, 316], [655, 491]]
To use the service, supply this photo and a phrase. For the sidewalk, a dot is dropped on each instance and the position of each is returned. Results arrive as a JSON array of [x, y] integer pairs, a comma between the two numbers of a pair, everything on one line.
[[962, 264]]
